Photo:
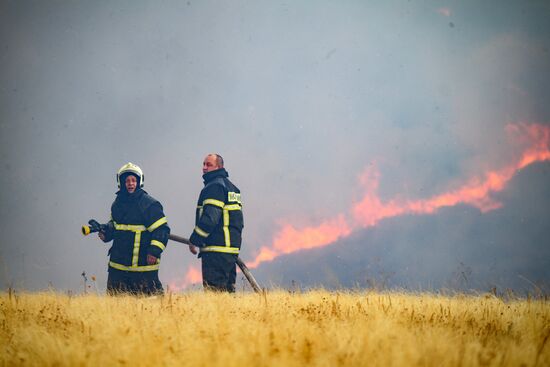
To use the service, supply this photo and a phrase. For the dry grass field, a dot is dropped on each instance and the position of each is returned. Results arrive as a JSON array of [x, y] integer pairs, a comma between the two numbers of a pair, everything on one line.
[[277, 328]]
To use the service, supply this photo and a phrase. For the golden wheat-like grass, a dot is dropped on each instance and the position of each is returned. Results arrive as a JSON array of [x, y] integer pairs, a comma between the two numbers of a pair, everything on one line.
[[317, 328]]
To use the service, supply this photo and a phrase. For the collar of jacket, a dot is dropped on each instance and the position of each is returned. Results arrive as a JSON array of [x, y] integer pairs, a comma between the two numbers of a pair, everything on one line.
[[124, 196], [209, 176]]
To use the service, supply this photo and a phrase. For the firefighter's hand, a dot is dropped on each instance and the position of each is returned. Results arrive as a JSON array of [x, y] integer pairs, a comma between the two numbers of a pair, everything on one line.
[[101, 235], [151, 260], [193, 249]]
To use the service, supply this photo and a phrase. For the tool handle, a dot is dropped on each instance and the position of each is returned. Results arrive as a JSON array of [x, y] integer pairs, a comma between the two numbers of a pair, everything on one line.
[[248, 275], [180, 239]]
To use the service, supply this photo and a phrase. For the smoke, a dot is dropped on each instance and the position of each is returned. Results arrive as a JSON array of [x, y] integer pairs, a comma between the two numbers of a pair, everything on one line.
[[533, 139], [300, 99], [370, 210], [460, 248]]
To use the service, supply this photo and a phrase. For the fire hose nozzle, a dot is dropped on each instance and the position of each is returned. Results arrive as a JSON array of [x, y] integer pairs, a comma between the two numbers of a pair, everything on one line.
[[93, 226], [86, 230]]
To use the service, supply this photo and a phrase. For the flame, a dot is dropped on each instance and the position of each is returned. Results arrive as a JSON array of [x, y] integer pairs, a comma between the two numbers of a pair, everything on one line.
[[370, 209], [289, 239], [538, 136], [193, 276], [534, 139]]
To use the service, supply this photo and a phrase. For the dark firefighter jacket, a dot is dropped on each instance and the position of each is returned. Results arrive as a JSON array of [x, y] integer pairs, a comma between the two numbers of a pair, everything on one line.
[[219, 216], [138, 227]]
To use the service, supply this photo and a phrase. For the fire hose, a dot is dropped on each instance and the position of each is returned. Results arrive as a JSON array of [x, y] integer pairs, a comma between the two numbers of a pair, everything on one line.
[[94, 226]]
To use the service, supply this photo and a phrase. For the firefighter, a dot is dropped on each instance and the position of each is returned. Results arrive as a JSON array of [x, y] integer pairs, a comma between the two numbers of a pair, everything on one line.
[[140, 232], [218, 226]]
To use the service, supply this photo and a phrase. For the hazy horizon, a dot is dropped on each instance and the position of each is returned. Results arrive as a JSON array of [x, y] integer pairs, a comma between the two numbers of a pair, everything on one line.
[[334, 119]]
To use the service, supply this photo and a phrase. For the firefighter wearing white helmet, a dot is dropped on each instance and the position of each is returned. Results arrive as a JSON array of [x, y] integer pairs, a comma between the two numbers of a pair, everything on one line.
[[130, 168], [139, 231]]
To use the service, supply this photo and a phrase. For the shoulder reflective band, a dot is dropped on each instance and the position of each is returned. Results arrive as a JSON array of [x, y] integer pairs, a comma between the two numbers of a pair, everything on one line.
[[158, 244], [157, 224], [213, 202], [129, 227], [133, 268], [227, 250], [201, 233]]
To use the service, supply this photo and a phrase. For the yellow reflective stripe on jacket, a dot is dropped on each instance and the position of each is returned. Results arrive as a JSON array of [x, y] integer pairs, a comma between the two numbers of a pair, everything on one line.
[[213, 202], [137, 228], [233, 207], [158, 244], [200, 232], [137, 241], [225, 249], [226, 208], [226, 236], [129, 227], [157, 224], [134, 268]]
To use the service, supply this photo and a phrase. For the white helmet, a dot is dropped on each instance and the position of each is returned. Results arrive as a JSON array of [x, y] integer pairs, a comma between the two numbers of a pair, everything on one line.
[[130, 168]]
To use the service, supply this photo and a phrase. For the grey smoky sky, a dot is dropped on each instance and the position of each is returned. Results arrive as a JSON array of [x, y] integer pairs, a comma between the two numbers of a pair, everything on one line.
[[298, 96]]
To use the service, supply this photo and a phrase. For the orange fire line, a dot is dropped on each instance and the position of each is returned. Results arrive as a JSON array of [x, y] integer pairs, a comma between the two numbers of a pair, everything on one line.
[[370, 209]]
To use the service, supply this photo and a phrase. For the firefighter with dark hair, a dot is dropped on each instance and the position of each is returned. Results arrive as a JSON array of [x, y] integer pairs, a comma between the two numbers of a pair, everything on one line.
[[139, 231], [218, 226]]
